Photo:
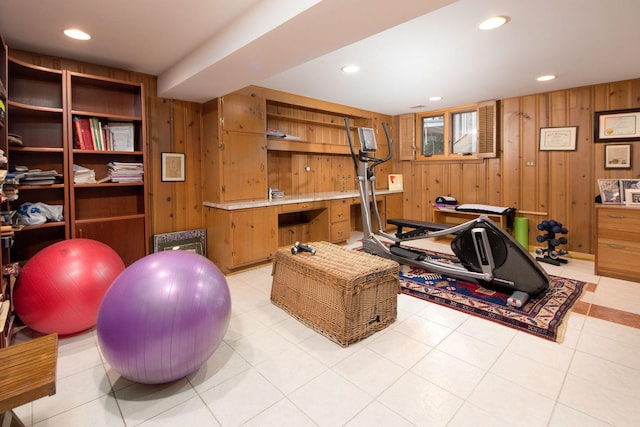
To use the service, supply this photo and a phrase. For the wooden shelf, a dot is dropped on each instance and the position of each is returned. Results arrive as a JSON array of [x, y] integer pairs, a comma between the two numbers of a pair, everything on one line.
[[40, 187], [40, 226], [118, 117], [110, 184], [106, 219], [16, 148], [77, 151], [279, 144], [32, 108], [337, 124]]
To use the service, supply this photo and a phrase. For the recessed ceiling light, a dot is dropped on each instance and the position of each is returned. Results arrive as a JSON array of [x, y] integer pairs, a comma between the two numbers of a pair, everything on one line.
[[546, 78], [435, 98], [350, 69], [493, 22], [74, 33]]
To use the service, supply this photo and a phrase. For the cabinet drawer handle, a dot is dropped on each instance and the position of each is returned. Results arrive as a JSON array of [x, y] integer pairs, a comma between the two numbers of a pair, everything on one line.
[[616, 246], [615, 216]]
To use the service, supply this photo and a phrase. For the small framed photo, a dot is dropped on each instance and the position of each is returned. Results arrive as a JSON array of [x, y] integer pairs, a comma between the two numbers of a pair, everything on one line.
[[628, 184], [172, 166], [617, 156], [632, 197], [395, 182], [610, 191], [558, 138], [617, 125], [189, 240]]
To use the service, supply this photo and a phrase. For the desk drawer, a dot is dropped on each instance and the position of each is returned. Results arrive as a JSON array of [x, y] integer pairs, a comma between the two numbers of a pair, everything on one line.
[[618, 259], [302, 206], [340, 231], [340, 210], [619, 224]]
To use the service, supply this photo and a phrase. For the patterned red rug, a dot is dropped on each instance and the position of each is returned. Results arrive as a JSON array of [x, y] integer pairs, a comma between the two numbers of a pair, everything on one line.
[[541, 316]]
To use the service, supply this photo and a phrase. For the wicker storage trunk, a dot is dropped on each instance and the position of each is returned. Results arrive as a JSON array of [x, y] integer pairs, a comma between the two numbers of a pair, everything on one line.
[[346, 295]]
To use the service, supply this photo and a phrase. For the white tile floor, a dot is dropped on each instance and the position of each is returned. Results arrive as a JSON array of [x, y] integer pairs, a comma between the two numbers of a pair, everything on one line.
[[433, 367]]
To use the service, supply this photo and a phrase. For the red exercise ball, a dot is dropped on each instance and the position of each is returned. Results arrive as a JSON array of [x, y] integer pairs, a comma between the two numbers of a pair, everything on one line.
[[61, 287]]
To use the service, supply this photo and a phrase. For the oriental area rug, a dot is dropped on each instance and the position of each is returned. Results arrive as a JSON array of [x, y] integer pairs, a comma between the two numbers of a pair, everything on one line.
[[541, 316]]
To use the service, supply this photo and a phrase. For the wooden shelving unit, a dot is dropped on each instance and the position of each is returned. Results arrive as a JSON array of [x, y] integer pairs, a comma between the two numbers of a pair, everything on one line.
[[319, 131], [41, 106], [5, 305], [113, 213], [36, 113]]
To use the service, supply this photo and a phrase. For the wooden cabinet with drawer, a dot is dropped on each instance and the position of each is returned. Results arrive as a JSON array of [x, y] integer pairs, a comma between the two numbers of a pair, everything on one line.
[[618, 242], [242, 237], [340, 220]]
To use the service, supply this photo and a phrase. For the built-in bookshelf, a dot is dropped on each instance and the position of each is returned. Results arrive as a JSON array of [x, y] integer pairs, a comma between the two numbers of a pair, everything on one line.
[[42, 108], [7, 236], [115, 213], [37, 129]]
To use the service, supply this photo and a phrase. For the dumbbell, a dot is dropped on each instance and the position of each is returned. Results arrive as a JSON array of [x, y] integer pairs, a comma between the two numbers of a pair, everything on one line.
[[299, 247], [541, 251]]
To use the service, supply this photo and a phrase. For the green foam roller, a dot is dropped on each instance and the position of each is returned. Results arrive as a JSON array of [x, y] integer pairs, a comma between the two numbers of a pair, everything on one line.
[[521, 231]]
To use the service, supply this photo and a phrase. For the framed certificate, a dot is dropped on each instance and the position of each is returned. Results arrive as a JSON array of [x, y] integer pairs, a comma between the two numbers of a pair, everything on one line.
[[617, 125], [617, 156], [558, 138]]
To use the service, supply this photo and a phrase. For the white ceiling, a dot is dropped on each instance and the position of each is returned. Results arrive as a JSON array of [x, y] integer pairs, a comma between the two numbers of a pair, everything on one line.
[[408, 50]]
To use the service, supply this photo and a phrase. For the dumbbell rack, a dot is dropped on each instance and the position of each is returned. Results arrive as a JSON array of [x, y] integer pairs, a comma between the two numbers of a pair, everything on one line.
[[549, 254]]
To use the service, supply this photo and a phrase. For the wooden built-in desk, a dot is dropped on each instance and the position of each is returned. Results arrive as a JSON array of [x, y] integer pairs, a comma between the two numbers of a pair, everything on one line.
[[249, 232], [27, 373]]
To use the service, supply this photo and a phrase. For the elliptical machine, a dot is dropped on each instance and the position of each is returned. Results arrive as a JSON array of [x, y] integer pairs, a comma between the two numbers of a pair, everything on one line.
[[487, 254]]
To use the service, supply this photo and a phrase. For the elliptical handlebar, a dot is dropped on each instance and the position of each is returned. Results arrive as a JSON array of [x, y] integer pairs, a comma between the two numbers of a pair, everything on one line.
[[362, 156]]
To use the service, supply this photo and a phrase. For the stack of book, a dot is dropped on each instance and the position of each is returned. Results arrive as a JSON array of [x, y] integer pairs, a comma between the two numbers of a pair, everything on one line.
[[92, 134], [125, 171], [9, 187], [36, 176], [82, 175]]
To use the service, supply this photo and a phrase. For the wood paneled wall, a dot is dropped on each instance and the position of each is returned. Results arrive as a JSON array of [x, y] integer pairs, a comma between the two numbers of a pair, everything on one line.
[[326, 172], [558, 185], [172, 126], [540, 184]]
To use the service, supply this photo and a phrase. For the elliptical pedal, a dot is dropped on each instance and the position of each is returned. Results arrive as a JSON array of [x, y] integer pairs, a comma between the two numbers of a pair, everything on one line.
[[408, 253]]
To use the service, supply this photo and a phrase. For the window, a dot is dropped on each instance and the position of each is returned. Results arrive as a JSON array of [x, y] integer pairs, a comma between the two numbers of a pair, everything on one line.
[[464, 132], [433, 135], [469, 131]]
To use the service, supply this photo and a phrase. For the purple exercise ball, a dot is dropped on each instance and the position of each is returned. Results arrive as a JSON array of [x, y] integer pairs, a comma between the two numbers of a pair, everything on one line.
[[164, 316]]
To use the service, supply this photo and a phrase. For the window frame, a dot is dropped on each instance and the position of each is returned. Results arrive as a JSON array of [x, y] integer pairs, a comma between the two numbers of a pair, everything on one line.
[[448, 132]]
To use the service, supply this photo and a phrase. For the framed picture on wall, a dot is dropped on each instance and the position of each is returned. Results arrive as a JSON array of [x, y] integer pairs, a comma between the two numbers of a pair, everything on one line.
[[617, 125], [610, 191], [617, 156], [172, 166], [558, 138]]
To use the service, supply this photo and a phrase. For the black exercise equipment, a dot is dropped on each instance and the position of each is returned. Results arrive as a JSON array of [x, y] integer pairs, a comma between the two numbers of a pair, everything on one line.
[[487, 254], [299, 247], [549, 254]]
